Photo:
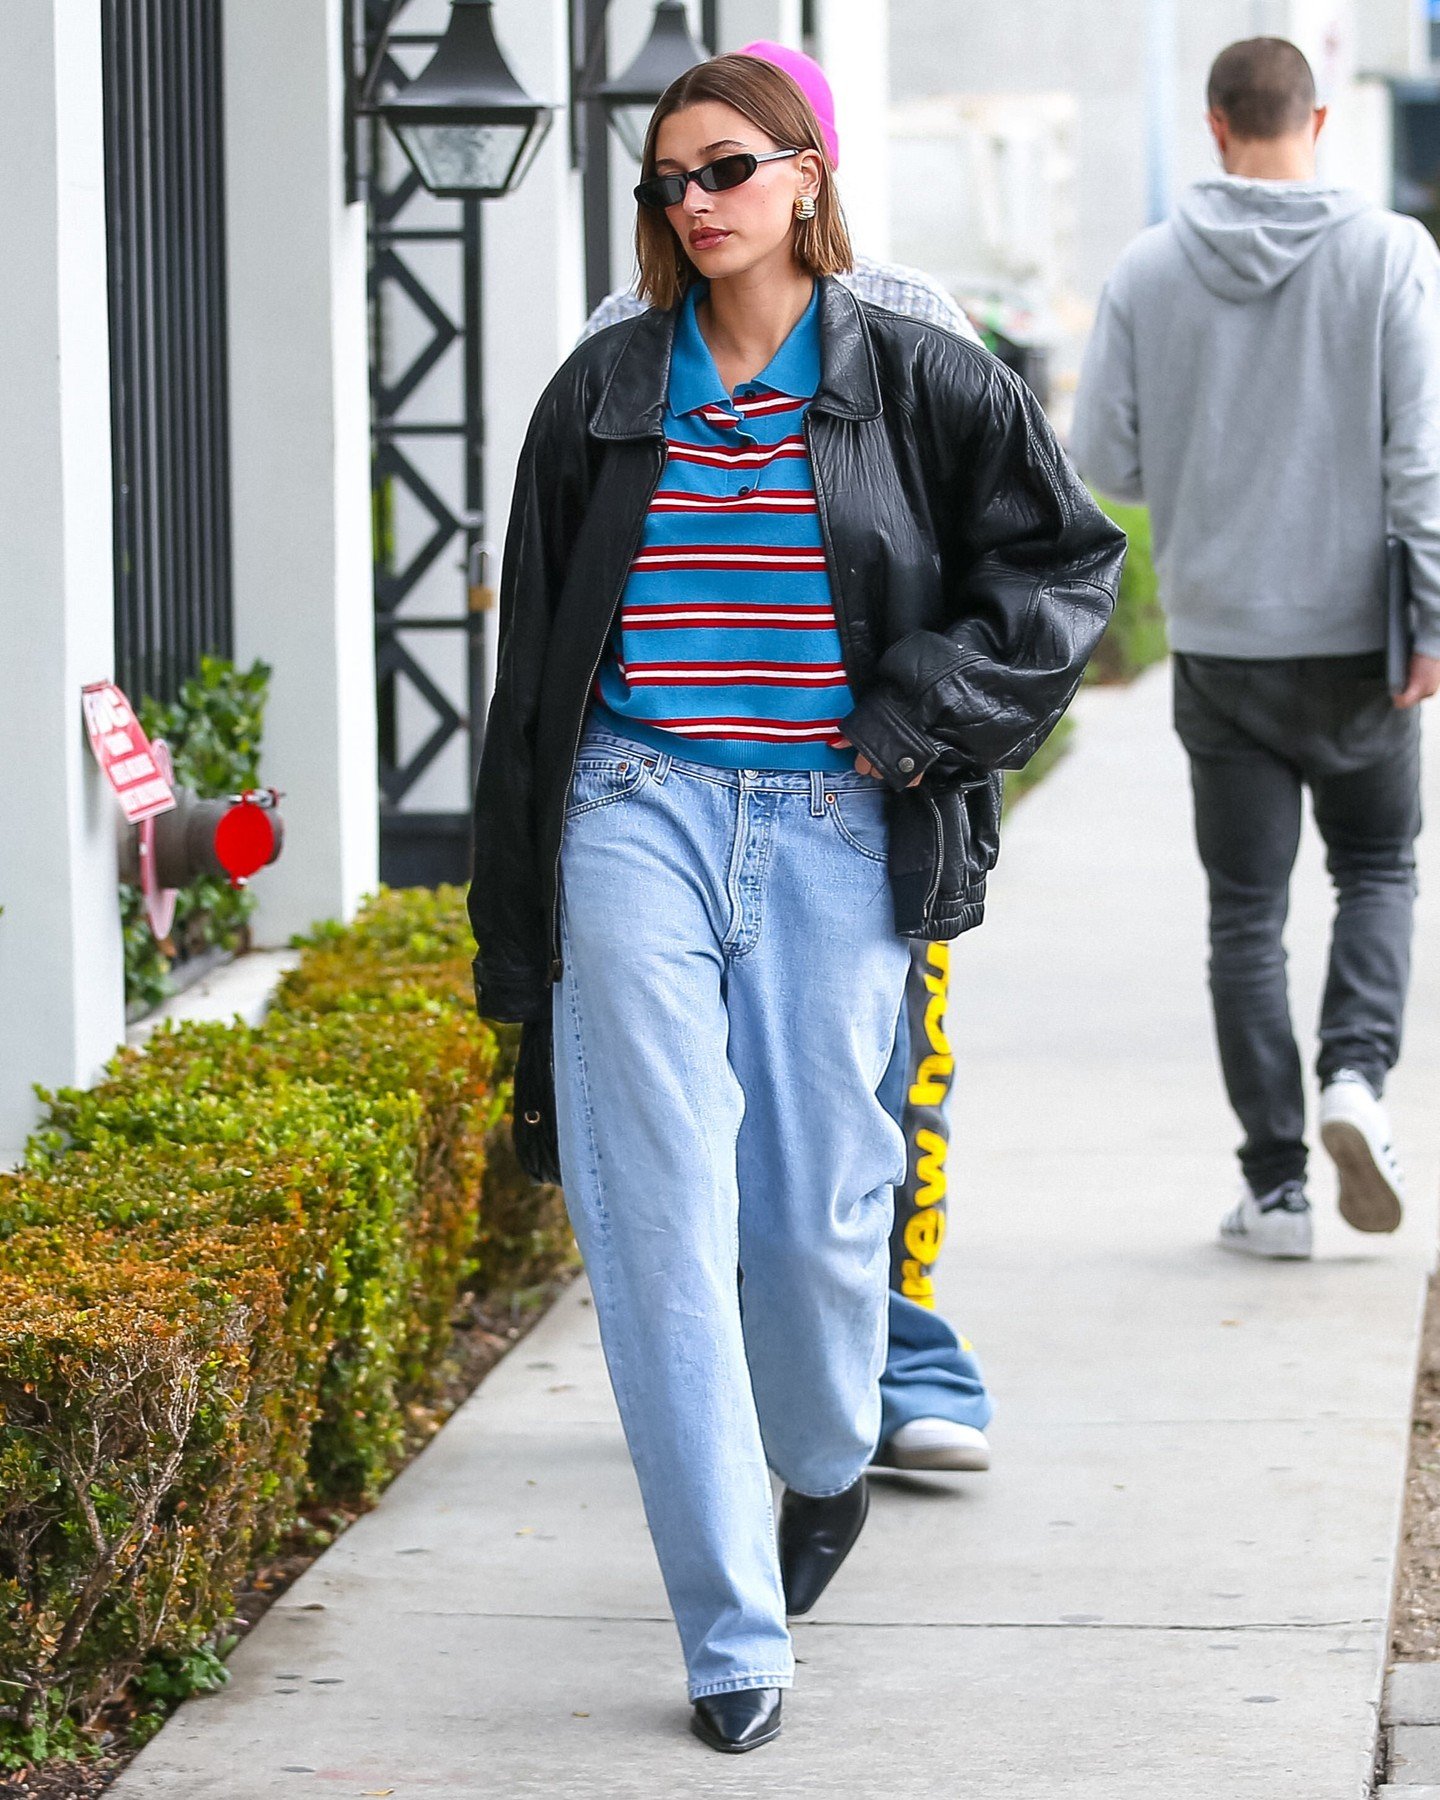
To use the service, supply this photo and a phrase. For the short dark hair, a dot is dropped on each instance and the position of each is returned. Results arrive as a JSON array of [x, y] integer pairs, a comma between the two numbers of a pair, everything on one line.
[[1263, 87]]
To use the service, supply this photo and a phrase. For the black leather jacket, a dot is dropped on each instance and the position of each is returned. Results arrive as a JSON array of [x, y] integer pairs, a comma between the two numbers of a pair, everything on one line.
[[972, 575]]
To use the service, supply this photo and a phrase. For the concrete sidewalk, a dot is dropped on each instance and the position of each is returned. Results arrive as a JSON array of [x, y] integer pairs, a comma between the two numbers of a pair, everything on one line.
[[1174, 1583]]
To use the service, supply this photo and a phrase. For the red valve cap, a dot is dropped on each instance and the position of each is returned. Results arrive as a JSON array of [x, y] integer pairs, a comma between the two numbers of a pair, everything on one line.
[[244, 840]]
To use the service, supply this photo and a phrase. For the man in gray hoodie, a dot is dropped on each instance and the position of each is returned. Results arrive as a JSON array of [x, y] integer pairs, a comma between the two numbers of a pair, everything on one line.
[[1265, 375]]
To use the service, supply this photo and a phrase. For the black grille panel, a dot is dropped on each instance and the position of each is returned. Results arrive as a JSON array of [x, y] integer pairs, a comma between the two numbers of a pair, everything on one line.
[[164, 178]]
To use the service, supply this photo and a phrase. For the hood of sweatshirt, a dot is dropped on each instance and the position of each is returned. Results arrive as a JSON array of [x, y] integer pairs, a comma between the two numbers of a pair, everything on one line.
[[1243, 237]]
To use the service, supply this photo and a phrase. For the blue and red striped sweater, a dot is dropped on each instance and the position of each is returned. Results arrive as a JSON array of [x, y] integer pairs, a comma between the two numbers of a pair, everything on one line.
[[726, 637]]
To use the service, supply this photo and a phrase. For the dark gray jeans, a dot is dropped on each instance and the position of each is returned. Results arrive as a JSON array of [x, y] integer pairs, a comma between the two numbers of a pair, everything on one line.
[[1257, 734]]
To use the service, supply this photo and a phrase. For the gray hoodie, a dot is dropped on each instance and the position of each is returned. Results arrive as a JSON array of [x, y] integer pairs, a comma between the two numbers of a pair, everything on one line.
[[1264, 373]]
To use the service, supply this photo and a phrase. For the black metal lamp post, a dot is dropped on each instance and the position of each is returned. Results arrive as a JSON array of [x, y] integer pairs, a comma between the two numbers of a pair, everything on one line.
[[467, 126], [629, 98]]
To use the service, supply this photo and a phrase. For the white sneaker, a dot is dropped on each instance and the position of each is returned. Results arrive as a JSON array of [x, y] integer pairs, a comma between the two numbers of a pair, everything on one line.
[[935, 1444], [1278, 1224], [1354, 1129]]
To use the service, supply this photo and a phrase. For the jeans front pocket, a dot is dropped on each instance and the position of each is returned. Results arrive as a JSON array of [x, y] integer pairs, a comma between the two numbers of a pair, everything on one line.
[[603, 777], [862, 818]]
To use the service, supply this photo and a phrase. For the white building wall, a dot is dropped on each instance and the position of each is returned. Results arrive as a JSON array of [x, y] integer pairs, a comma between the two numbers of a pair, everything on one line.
[[749, 21], [61, 1005], [852, 44], [300, 458]]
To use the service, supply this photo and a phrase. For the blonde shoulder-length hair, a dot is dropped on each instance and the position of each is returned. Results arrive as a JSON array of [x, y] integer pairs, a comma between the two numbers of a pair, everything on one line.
[[769, 99]]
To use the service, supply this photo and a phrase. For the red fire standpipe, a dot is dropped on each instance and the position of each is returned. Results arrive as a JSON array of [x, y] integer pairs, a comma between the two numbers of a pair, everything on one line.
[[232, 838]]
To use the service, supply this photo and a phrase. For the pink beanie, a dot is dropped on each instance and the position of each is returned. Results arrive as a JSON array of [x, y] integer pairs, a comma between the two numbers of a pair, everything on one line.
[[809, 77]]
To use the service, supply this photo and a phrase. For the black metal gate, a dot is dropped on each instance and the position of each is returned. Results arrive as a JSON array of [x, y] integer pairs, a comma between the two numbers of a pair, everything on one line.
[[165, 201], [428, 479]]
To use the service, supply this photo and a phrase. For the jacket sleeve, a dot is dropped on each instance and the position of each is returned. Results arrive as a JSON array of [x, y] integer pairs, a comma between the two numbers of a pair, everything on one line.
[[505, 900], [1105, 437], [1411, 456], [1031, 567]]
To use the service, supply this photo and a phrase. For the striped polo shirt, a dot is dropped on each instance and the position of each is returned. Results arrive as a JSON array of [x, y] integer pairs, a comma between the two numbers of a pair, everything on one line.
[[726, 637]]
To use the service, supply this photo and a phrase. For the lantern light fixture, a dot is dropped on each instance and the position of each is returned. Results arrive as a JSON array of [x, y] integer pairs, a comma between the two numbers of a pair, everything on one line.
[[467, 126]]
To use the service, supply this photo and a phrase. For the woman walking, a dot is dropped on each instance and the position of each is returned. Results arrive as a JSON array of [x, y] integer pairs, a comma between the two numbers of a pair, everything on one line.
[[788, 580]]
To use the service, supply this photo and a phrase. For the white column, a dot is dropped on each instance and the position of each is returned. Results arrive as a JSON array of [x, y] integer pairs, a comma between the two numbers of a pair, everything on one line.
[[534, 279], [300, 452], [746, 21], [61, 988], [854, 47]]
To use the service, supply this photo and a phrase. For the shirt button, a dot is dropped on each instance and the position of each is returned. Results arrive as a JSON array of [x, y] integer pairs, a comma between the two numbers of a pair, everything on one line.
[[906, 765], [746, 490]]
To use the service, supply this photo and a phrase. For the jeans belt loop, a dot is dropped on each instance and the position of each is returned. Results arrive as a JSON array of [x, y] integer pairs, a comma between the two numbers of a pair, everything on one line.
[[817, 794]]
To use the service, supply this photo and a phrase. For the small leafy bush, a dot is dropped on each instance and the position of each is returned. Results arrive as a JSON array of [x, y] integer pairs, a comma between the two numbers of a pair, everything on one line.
[[213, 734], [1135, 636], [225, 1274]]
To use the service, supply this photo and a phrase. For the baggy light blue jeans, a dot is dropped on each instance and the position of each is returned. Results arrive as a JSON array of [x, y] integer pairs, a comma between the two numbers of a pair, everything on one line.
[[731, 983]]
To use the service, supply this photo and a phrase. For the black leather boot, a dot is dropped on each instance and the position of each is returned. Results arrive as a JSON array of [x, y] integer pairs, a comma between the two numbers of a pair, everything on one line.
[[816, 1535], [735, 1723]]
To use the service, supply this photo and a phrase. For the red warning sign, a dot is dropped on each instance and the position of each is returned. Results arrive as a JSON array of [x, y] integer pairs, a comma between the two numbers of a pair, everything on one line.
[[123, 752]]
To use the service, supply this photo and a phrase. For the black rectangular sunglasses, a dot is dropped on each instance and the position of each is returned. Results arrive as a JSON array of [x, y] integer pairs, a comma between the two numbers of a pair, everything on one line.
[[661, 191]]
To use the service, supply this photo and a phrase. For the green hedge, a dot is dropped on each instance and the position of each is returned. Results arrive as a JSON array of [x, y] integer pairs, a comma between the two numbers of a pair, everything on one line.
[[1135, 636], [1133, 640], [225, 1273]]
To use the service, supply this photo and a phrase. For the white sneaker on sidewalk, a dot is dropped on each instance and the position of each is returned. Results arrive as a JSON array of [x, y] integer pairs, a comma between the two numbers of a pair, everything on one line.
[[1354, 1129], [935, 1444], [1278, 1224]]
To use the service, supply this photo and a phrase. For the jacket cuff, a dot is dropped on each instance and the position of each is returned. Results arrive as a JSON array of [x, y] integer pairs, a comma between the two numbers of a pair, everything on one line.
[[881, 732], [1427, 641], [510, 997]]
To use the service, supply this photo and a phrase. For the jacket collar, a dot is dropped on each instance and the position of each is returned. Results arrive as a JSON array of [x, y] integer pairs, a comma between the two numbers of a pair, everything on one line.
[[632, 403]]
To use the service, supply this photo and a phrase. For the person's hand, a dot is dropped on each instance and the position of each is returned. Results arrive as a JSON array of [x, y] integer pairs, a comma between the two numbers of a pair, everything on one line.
[[1423, 683], [864, 766]]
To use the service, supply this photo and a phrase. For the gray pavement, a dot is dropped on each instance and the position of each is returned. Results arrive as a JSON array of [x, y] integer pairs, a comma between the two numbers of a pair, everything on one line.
[[1174, 1583]]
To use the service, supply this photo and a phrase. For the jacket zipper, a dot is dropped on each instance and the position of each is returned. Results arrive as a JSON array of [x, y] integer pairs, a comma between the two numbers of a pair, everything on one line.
[[939, 825], [556, 962]]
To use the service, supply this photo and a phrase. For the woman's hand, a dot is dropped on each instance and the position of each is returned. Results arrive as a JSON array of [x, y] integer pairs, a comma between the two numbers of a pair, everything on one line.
[[864, 766]]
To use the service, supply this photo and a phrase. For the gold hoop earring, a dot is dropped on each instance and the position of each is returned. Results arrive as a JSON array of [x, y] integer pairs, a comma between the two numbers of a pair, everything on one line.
[[805, 206]]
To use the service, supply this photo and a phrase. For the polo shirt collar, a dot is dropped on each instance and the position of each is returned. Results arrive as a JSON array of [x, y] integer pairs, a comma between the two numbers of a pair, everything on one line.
[[794, 369], [695, 381], [636, 376]]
